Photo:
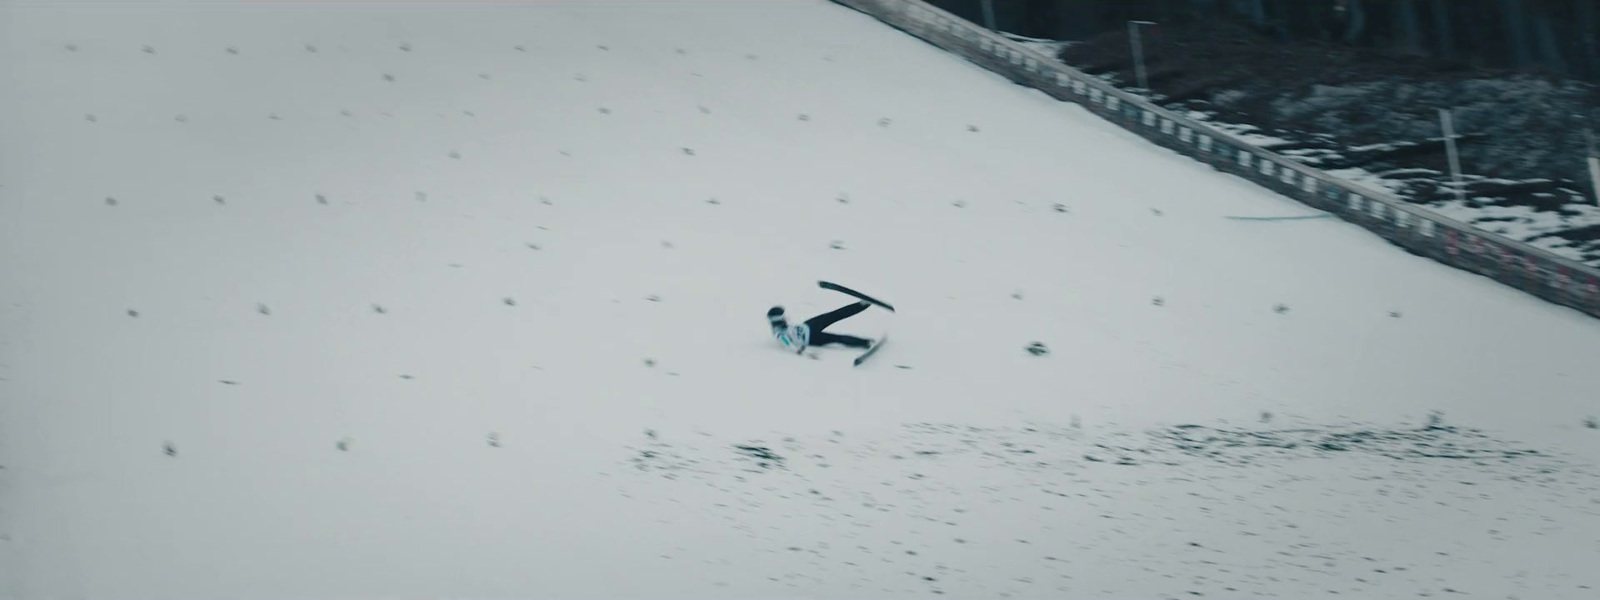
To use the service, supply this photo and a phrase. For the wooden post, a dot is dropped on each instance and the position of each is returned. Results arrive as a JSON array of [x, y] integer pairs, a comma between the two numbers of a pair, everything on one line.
[[1138, 54], [1594, 164], [1446, 122]]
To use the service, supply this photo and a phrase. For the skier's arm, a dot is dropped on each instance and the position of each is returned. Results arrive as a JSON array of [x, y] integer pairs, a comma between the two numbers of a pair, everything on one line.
[[797, 337]]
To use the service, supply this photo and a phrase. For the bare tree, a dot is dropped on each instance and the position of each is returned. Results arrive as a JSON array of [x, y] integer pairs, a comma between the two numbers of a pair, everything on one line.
[[1355, 21], [1549, 49], [1516, 30], [1408, 36], [1255, 10], [1586, 24], [1039, 18], [1446, 41]]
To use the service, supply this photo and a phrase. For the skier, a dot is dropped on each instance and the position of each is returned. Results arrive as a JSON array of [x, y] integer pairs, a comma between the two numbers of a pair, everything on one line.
[[810, 333]]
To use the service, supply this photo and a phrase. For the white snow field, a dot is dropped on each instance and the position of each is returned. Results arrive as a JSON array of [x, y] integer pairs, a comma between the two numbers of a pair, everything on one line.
[[429, 299]]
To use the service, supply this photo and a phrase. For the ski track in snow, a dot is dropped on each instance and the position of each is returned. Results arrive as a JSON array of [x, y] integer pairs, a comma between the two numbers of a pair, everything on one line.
[[408, 300]]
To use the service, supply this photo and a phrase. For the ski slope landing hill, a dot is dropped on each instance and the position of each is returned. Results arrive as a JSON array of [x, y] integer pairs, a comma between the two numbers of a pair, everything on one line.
[[421, 299]]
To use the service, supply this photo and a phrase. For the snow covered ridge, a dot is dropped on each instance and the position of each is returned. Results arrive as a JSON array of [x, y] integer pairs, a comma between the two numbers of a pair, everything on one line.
[[1533, 268]]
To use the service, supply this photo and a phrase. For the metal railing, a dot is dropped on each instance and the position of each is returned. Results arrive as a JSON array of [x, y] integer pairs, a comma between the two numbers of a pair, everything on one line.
[[1534, 270]]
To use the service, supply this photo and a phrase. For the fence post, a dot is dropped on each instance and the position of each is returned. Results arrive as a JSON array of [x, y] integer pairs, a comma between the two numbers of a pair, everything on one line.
[[1138, 54], [1594, 164], [1450, 149]]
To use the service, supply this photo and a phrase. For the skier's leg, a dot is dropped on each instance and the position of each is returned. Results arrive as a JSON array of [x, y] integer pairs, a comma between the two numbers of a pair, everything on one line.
[[818, 339], [822, 321]]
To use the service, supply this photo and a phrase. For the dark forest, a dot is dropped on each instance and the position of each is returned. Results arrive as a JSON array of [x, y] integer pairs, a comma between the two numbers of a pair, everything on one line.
[[1552, 36]]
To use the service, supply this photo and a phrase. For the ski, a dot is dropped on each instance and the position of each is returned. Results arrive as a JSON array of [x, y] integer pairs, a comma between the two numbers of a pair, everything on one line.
[[828, 285], [871, 350]]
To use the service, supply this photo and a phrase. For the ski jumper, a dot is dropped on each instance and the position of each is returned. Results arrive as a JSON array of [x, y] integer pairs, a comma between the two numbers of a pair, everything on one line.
[[810, 333]]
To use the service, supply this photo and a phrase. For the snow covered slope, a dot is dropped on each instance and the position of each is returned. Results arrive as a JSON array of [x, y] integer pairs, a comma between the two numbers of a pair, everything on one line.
[[422, 299]]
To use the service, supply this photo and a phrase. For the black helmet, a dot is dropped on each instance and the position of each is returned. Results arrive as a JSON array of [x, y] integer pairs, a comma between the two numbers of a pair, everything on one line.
[[775, 314]]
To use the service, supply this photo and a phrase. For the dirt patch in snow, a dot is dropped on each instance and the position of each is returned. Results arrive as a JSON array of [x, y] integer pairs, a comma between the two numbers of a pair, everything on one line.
[[931, 509]]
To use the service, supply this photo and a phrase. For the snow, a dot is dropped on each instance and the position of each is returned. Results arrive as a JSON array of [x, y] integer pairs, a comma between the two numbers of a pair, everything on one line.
[[541, 346], [1539, 228], [1241, 132], [1247, 134], [1040, 45], [1360, 176]]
